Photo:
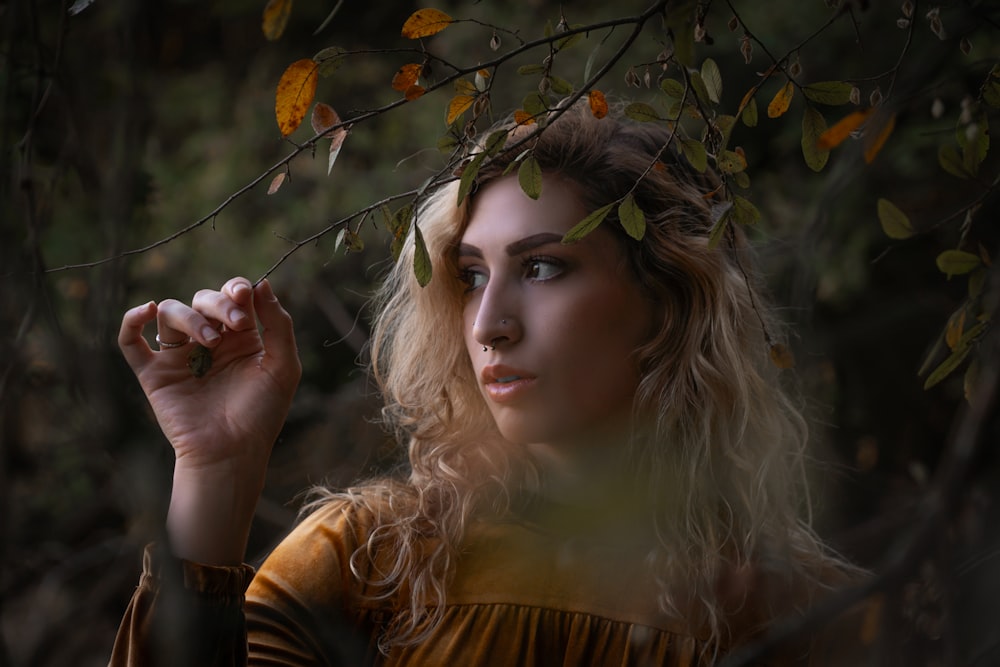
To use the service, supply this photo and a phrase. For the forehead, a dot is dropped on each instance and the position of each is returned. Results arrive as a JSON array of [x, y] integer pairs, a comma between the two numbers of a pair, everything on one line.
[[502, 210]]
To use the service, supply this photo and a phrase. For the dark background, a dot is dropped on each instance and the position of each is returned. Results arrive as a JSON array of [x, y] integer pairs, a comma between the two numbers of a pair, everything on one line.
[[128, 121]]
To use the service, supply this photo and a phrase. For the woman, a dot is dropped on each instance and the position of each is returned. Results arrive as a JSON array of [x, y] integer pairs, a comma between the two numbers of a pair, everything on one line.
[[604, 468]]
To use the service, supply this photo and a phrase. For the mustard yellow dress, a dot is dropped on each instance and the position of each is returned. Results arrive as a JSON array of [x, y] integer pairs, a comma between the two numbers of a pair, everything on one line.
[[520, 596]]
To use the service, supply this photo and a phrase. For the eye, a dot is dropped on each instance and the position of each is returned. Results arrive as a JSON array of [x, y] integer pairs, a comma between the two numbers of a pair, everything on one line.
[[542, 268], [471, 278]]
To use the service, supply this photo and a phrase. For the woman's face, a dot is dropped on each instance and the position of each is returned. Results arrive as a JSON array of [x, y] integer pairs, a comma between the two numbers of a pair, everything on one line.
[[560, 323]]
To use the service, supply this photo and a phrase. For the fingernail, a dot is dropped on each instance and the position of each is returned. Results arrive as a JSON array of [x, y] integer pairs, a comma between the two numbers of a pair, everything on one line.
[[209, 334], [236, 315], [241, 289]]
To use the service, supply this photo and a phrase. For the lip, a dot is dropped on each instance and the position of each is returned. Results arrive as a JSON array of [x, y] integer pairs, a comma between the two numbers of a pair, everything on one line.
[[515, 382]]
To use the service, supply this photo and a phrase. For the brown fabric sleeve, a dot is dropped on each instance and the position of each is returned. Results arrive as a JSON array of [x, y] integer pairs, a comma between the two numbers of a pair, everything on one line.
[[184, 613]]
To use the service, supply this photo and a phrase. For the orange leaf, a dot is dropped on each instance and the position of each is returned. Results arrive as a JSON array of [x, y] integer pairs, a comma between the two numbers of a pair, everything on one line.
[[276, 18], [406, 76], [782, 100], [413, 92], [425, 22], [457, 107], [522, 117], [875, 142], [598, 104], [842, 129], [296, 90]]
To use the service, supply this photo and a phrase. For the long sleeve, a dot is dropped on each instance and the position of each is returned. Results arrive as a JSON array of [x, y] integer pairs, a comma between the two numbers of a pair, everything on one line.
[[184, 613]]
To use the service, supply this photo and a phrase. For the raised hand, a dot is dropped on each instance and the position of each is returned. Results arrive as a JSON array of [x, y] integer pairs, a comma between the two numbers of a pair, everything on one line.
[[220, 390]]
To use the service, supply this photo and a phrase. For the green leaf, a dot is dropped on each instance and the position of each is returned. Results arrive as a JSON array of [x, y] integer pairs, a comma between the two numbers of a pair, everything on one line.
[[957, 262], [813, 125], [534, 104], [469, 177], [399, 225], [642, 112], [977, 281], [496, 141], [977, 144], [570, 40], [951, 161], [730, 162], [694, 152], [895, 223], [421, 258], [721, 213], [588, 224], [673, 88], [632, 217], [712, 77], [330, 59], [744, 212], [530, 69], [991, 94], [947, 366], [679, 20], [700, 89], [529, 176], [561, 86], [725, 124], [749, 114], [447, 144], [831, 93]]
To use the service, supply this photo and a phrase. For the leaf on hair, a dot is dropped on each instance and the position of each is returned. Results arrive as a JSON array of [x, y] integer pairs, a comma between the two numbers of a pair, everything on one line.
[[632, 218], [588, 224], [529, 177], [641, 112], [421, 258]]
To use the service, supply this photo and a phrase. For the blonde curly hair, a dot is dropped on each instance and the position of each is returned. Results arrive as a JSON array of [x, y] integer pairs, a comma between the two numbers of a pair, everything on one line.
[[718, 446]]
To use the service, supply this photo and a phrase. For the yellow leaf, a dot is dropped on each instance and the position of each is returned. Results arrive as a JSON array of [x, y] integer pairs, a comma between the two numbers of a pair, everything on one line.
[[598, 104], [406, 76], [457, 107], [296, 90], [425, 22], [875, 142], [842, 129], [782, 100], [276, 18]]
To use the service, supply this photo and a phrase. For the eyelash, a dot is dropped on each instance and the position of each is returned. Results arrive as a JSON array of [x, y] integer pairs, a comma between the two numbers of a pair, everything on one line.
[[467, 276]]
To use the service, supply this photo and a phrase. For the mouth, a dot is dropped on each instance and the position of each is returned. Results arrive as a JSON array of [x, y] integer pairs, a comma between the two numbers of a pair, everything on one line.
[[504, 375]]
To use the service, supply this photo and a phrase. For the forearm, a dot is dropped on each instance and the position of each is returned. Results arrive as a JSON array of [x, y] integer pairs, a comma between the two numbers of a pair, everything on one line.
[[211, 510]]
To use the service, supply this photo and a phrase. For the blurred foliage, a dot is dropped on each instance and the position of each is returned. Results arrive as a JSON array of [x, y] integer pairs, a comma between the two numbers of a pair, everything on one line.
[[123, 123]]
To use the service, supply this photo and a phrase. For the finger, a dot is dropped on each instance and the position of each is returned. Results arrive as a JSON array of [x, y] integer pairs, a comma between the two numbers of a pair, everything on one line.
[[278, 334], [177, 321], [133, 345], [220, 307], [240, 290]]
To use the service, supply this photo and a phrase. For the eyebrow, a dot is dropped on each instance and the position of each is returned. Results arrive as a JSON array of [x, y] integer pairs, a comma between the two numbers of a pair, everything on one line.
[[516, 247]]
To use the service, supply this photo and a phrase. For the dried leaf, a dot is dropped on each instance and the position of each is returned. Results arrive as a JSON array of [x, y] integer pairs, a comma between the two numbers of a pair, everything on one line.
[[781, 356], [843, 128], [876, 140], [323, 118], [413, 92], [296, 90], [277, 182], [425, 22], [406, 76], [813, 127], [482, 79], [632, 218], [399, 224], [895, 223], [598, 104], [588, 224], [458, 106], [422, 267], [781, 101], [276, 13], [529, 176]]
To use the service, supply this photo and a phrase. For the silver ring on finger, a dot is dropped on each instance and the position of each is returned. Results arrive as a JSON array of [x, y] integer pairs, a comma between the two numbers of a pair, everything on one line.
[[164, 345]]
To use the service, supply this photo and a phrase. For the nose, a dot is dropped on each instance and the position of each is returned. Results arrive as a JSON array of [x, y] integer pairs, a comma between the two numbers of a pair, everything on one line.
[[497, 322]]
